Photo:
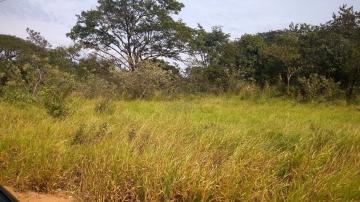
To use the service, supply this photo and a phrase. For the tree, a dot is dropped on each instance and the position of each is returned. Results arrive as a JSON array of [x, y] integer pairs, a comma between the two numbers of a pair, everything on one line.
[[286, 50], [345, 27], [36, 38], [24, 65], [129, 32], [249, 59], [11, 48], [14, 54], [209, 57], [206, 47]]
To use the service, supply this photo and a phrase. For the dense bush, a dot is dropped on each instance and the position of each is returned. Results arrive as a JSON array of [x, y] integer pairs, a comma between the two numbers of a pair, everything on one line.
[[149, 79], [105, 105], [317, 86], [95, 86], [243, 88], [207, 80], [55, 91]]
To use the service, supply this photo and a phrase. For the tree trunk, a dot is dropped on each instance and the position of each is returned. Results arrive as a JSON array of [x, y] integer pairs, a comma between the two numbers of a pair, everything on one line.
[[37, 83], [350, 92], [288, 78]]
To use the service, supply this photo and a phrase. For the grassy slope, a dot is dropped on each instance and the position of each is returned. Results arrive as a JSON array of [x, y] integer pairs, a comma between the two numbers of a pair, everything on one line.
[[198, 150]]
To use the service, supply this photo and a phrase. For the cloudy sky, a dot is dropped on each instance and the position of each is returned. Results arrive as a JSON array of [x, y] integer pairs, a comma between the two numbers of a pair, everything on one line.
[[54, 18]]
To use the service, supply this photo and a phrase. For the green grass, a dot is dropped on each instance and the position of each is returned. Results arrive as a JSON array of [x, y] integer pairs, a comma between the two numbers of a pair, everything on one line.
[[201, 149]]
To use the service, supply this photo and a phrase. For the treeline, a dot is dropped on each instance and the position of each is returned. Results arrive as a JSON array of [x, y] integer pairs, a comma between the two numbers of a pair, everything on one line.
[[304, 61], [133, 40]]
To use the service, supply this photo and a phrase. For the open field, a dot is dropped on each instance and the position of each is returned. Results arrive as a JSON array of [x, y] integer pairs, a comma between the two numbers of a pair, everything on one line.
[[200, 149]]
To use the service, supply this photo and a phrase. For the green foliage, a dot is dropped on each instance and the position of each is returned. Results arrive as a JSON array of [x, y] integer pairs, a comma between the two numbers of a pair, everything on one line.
[[206, 47], [129, 32], [91, 134], [286, 51], [281, 62], [36, 38], [251, 147], [94, 87], [281, 58], [54, 104], [209, 80], [148, 80], [318, 86], [55, 91], [105, 105]]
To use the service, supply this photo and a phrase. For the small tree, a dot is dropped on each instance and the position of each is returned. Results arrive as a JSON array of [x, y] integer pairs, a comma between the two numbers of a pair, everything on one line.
[[286, 50], [36, 38]]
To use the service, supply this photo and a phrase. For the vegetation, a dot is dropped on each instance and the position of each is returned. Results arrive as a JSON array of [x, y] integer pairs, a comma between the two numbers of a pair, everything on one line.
[[126, 35], [266, 117], [200, 149], [131, 31]]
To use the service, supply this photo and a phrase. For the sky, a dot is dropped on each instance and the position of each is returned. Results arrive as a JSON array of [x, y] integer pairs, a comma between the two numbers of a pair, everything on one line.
[[54, 18]]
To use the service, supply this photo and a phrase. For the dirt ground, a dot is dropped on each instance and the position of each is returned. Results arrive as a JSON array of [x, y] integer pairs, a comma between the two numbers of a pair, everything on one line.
[[36, 197]]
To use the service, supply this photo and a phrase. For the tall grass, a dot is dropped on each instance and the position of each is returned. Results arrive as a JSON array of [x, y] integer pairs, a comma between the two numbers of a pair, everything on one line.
[[202, 149]]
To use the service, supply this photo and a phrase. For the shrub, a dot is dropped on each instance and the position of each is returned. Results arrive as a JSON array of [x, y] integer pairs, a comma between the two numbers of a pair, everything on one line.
[[148, 80], [54, 103], [54, 92], [105, 105], [91, 134], [94, 87], [243, 88], [15, 95], [212, 79], [318, 86]]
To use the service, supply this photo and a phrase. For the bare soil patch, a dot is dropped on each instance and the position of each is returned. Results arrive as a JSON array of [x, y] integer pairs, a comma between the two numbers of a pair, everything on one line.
[[37, 197]]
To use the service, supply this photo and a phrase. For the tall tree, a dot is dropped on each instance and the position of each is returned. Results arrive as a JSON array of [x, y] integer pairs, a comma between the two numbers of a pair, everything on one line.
[[249, 58], [129, 31], [345, 27]]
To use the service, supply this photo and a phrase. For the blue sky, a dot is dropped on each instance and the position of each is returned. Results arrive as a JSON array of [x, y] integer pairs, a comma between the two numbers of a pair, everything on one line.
[[54, 18]]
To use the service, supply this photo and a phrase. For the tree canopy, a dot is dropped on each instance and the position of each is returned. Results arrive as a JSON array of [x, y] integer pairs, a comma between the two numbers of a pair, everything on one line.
[[129, 32]]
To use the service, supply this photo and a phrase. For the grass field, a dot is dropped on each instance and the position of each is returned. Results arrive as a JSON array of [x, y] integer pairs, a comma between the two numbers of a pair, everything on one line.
[[200, 149]]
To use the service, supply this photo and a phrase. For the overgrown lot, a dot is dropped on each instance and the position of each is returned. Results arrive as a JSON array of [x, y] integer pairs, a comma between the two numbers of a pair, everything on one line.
[[192, 149]]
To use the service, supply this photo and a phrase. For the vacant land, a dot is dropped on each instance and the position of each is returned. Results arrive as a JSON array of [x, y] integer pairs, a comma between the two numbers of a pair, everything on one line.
[[200, 149]]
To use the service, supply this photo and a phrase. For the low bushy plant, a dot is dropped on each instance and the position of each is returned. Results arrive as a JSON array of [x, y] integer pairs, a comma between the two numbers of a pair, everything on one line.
[[95, 86], [105, 105], [54, 92], [148, 80], [317, 86]]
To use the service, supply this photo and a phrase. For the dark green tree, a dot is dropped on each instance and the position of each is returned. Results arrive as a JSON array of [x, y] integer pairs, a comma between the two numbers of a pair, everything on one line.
[[249, 59], [345, 28], [206, 48], [286, 50]]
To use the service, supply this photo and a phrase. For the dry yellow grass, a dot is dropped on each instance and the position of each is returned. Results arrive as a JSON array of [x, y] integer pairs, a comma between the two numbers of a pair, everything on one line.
[[202, 149]]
